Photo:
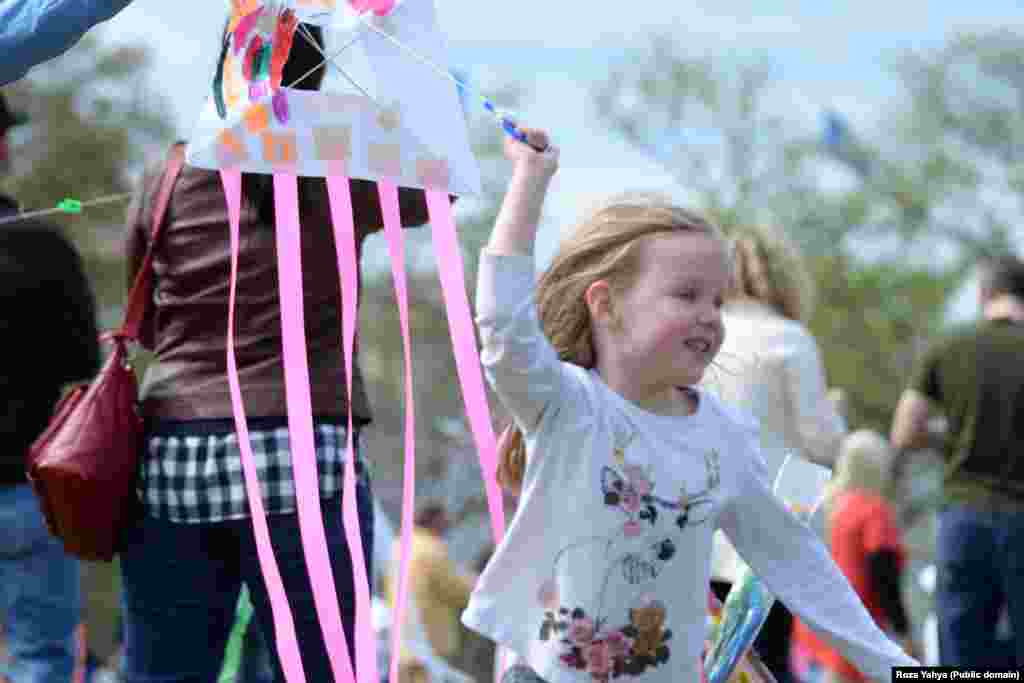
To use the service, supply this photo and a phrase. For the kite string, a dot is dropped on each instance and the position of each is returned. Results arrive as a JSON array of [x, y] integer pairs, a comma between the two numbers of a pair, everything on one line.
[[504, 119], [67, 205]]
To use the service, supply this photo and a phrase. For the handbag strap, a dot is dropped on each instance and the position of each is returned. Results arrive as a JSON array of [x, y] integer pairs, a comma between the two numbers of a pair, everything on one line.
[[140, 293]]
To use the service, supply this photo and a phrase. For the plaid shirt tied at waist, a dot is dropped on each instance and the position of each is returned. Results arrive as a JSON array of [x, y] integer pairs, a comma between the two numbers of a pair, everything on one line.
[[197, 479]]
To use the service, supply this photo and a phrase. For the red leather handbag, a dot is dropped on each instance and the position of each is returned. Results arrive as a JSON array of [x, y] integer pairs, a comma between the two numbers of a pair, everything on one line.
[[83, 466]]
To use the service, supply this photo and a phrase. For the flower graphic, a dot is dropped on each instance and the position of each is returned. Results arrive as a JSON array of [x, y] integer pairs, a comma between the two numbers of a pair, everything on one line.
[[632, 528], [630, 500], [638, 479], [587, 644]]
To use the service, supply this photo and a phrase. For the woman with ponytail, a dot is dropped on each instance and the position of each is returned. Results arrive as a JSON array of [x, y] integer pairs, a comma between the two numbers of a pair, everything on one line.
[[770, 366]]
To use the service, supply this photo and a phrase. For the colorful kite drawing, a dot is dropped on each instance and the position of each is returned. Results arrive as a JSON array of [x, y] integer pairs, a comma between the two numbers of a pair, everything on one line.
[[406, 125], [401, 125]]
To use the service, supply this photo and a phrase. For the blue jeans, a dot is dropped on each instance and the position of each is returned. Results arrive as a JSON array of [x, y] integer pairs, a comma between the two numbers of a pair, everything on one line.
[[980, 558], [39, 593], [181, 583]]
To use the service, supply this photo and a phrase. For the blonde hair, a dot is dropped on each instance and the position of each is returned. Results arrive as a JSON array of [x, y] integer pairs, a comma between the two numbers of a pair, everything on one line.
[[605, 245], [769, 268], [864, 461]]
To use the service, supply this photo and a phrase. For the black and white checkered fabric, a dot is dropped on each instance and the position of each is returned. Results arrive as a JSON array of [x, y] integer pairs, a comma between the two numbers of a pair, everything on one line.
[[198, 479]]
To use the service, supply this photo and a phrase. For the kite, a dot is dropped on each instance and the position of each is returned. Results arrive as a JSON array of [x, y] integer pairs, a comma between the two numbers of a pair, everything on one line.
[[402, 126]]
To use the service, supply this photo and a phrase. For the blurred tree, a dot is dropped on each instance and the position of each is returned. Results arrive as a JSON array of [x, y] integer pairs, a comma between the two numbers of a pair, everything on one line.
[[705, 122], [93, 118], [871, 322], [943, 182], [947, 164]]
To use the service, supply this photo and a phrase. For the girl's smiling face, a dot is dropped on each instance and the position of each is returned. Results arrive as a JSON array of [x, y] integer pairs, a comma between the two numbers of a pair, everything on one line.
[[666, 327]]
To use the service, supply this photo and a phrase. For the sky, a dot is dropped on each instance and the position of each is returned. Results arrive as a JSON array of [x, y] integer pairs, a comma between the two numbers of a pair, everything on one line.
[[826, 55]]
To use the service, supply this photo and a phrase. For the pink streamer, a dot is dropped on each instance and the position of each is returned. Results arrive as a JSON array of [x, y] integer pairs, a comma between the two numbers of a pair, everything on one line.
[[467, 363], [284, 626], [345, 246], [300, 425], [467, 360], [388, 192], [300, 414]]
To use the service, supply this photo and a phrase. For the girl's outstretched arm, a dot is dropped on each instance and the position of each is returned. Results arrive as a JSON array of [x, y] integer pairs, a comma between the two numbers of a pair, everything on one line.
[[519, 216], [796, 567]]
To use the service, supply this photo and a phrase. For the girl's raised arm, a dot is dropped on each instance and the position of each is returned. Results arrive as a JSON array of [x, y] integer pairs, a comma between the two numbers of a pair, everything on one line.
[[516, 225], [518, 359]]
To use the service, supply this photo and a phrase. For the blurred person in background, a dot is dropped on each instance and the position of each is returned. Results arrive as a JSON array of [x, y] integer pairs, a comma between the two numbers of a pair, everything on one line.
[[770, 366], [974, 377], [439, 590], [34, 31], [50, 339], [865, 540], [418, 663]]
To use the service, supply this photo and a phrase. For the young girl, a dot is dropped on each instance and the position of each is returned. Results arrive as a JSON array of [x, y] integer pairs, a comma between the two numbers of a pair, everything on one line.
[[625, 467], [865, 540]]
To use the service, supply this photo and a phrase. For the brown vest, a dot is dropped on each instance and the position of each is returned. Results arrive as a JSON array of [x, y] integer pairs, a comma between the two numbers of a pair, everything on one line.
[[187, 326]]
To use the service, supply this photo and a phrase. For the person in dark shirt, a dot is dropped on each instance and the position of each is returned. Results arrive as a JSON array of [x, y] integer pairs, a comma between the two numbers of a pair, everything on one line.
[[975, 378], [49, 339]]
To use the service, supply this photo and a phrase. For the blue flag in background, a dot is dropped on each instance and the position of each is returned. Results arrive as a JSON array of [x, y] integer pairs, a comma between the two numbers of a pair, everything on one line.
[[835, 130], [840, 144]]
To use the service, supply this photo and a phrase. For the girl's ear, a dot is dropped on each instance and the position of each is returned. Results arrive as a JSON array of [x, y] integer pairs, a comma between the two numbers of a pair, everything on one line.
[[598, 298]]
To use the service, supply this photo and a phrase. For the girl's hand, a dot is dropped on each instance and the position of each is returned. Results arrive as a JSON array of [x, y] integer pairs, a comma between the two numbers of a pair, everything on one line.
[[516, 225], [526, 157]]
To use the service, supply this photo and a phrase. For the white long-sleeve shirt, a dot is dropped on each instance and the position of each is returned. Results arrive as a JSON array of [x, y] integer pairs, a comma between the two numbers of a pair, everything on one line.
[[605, 565], [770, 367]]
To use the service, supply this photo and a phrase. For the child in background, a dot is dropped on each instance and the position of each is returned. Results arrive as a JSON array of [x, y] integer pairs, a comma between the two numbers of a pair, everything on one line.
[[626, 467], [867, 544]]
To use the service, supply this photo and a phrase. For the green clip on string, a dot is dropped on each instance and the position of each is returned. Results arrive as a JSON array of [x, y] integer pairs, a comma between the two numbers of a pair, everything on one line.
[[69, 205]]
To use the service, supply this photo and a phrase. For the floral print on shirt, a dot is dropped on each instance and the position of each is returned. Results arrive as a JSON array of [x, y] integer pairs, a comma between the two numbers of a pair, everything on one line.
[[605, 653], [587, 641], [631, 489]]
